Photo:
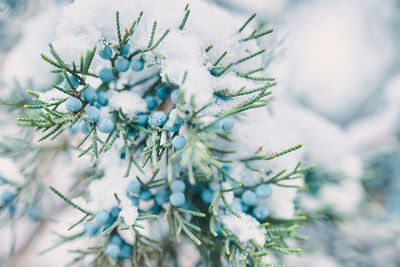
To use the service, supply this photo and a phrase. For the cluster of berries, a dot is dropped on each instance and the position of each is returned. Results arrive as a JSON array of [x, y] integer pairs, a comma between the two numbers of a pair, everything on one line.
[[102, 220], [248, 201]]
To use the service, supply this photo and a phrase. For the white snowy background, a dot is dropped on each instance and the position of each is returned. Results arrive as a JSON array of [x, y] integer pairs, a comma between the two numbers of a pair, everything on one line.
[[338, 93]]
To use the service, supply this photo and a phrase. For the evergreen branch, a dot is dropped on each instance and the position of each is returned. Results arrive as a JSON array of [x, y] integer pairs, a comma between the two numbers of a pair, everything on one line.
[[69, 201]]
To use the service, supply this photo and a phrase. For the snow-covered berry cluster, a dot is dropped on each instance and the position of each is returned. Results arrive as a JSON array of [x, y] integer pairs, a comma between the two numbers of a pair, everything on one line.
[[154, 112]]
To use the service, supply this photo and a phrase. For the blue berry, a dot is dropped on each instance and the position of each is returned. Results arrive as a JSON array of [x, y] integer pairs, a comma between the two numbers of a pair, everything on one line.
[[105, 125], [114, 212], [177, 186], [74, 128], [151, 102], [207, 196], [102, 98], [173, 115], [174, 96], [157, 118], [90, 228], [122, 65], [263, 191], [236, 206], [179, 142], [260, 212], [106, 52], [245, 207], [171, 127], [113, 251], [125, 50], [73, 104], [106, 75], [34, 213], [93, 114], [12, 209], [73, 80], [101, 217], [249, 197], [226, 124], [131, 132], [162, 92], [6, 197], [142, 119], [137, 64], [145, 195], [134, 187], [177, 199], [125, 251], [84, 129], [134, 200], [161, 197], [90, 95], [116, 240]]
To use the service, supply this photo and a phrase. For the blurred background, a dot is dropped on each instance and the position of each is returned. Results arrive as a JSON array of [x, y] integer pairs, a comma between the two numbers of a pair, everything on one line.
[[338, 93]]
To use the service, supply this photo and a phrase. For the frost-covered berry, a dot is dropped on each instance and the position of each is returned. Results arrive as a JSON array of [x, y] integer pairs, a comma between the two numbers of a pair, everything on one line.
[[90, 95], [131, 132], [145, 195], [106, 52], [161, 197], [249, 197], [114, 212], [142, 119], [260, 213], [105, 125], [102, 98], [134, 187], [73, 104], [151, 102], [93, 114], [207, 196], [173, 115], [125, 251], [101, 217], [174, 96], [263, 191], [226, 124], [90, 228], [177, 186], [237, 206], [125, 50], [137, 64], [74, 128], [84, 129], [122, 65], [179, 142], [6, 197], [106, 75], [177, 199], [157, 118], [162, 92], [116, 240], [134, 200], [112, 251], [172, 127], [73, 80], [34, 213]]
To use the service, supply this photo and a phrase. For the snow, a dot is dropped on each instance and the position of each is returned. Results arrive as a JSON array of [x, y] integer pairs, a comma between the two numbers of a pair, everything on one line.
[[245, 228], [85, 24], [131, 103]]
